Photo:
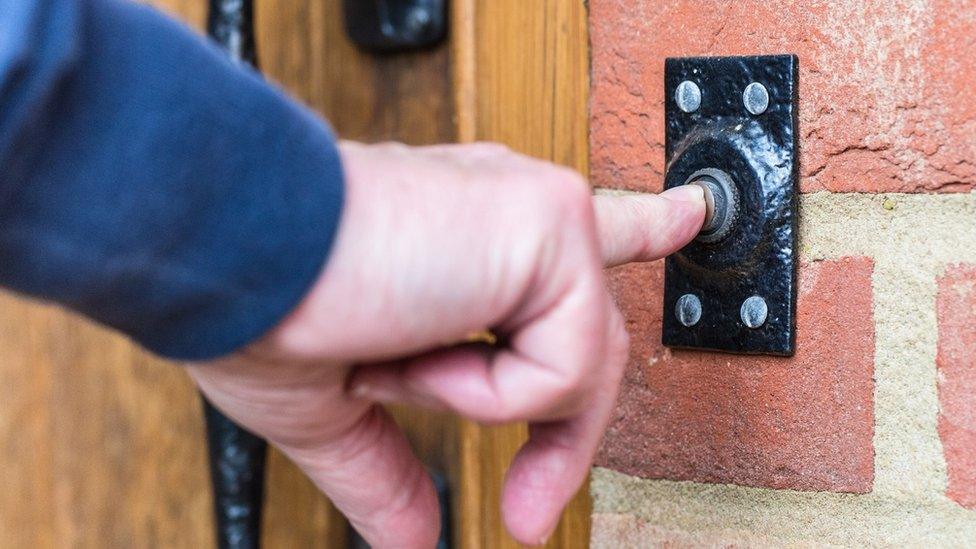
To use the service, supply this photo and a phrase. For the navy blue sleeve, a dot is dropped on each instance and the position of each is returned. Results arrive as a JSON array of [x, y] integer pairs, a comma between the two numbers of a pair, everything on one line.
[[152, 185]]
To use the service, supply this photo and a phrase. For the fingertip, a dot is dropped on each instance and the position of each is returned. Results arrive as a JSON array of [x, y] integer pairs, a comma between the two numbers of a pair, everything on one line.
[[646, 227], [372, 383], [528, 523], [372, 476], [418, 524], [688, 216], [685, 193], [422, 381], [539, 484], [360, 389]]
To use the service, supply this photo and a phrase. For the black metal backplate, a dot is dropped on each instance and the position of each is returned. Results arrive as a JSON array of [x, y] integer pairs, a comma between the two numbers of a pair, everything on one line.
[[759, 152]]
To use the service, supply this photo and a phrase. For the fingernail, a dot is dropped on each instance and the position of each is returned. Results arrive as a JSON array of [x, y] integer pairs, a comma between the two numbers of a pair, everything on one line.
[[371, 392], [360, 390], [685, 193]]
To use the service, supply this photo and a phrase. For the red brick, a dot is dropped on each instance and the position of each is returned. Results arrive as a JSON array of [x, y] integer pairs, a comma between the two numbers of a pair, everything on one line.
[[886, 100], [804, 422], [956, 361]]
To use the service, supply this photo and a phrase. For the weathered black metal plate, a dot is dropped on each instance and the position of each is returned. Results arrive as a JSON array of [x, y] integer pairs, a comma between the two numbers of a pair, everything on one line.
[[395, 25], [759, 152]]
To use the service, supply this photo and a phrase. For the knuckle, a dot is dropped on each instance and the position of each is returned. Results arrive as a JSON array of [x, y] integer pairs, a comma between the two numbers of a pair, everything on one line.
[[491, 147], [501, 413], [618, 355], [572, 386], [560, 195], [619, 337], [393, 146], [624, 342], [503, 416], [358, 439], [573, 195], [397, 514], [571, 185], [619, 345]]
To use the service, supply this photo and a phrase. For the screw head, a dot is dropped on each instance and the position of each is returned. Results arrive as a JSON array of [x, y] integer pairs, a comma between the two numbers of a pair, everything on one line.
[[688, 96], [754, 311], [688, 310], [755, 98]]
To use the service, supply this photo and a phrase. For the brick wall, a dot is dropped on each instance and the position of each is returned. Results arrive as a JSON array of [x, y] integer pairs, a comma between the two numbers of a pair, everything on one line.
[[868, 434]]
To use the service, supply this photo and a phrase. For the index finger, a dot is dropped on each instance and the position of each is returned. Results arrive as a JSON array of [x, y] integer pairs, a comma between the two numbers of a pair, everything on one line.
[[645, 227]]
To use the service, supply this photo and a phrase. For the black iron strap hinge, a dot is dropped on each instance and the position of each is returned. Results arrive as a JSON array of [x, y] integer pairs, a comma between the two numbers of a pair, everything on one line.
[[395, 25]]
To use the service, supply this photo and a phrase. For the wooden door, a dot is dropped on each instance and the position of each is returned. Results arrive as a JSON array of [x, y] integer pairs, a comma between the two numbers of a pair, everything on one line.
[[521, 77], [102, 444]]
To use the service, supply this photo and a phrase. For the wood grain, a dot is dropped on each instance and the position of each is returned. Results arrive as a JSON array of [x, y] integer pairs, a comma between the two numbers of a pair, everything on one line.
[[371, 98], [521, 77], [404, 97], [101, 444]]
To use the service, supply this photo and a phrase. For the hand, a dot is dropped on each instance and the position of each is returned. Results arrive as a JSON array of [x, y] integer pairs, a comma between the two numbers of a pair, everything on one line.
[[435, 244]]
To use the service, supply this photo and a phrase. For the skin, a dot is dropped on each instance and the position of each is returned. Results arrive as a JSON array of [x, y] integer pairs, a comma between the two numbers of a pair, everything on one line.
[[435, 244]]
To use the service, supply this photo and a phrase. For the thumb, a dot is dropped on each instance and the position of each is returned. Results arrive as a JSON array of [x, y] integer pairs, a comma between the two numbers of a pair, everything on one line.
[[351, 449], [372, 476], [645, 227]]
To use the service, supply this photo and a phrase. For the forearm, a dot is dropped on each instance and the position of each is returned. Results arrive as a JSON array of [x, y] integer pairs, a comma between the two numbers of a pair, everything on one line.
[[150, 184]]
